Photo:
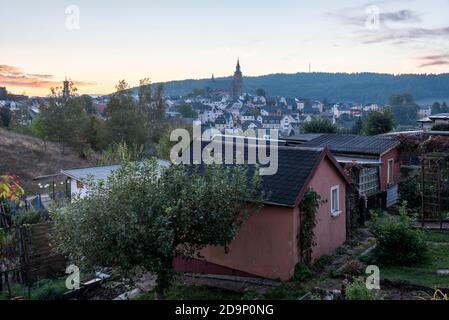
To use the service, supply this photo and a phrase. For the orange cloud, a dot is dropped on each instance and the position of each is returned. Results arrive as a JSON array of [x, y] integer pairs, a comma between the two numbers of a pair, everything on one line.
[[15, 77]]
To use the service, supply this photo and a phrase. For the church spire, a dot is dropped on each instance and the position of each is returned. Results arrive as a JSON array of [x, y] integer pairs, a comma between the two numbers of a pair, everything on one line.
[[237, 83]]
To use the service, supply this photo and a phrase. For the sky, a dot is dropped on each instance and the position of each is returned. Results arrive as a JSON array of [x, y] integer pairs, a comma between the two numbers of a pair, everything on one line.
[[97, 43]]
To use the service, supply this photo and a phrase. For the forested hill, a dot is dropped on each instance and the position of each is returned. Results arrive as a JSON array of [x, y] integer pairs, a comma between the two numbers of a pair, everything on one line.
[[359, 87]]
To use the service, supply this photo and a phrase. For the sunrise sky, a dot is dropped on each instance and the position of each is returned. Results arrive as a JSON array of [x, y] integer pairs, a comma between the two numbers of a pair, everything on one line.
[[178, 39]]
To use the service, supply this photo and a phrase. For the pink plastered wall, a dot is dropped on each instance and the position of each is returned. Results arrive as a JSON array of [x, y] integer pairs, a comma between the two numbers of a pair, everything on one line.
[[330, 232], [265, 246], [395, 155]]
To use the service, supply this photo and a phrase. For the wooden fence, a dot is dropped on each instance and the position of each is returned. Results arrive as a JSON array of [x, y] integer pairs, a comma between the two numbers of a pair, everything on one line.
[[36, 259], [39, 258]]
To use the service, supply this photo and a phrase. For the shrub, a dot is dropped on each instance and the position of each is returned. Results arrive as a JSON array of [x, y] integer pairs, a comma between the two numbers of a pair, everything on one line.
[[252, 295], [441, 127], [398, 242], [49, 290], [357, 290], [283, 292], [28, 217], [2, 240], [16, 291], [302, 272], [409, 190]]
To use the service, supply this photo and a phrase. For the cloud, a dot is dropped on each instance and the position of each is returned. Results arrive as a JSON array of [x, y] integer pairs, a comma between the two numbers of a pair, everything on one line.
[[407, 16], [357, 16], [434, 60], [404, 35], [15, 77]]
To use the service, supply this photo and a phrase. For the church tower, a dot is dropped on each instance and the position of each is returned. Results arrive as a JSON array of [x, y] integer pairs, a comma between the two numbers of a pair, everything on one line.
[[66, 89], [237, 83]]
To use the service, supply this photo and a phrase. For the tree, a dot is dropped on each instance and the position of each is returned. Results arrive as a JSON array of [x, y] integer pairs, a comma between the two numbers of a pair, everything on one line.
[[186, 111], [378, 122], [444, 108], [5, 117], [140, 218], [96, 133], [320, 125], [88, 103], [120, 153], [358, 126], [404, 109], [125, 121], [261, 93], [63, 120], [436, 108], [165, 145]]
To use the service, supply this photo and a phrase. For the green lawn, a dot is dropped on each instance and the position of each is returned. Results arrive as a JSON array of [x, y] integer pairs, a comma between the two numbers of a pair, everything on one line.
[[437, 236], [424, 274], [195, 293]]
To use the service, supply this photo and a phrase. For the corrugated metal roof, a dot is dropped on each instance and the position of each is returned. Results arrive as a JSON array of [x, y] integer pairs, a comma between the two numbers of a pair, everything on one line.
[[99, 173], [354, 144]]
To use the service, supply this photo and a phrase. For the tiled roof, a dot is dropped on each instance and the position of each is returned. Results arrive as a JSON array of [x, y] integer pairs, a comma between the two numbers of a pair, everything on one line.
[[354, 144], [295, 168]]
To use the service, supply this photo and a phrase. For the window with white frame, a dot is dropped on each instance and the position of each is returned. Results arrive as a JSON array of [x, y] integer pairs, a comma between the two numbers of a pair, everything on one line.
[[390, 176], [335, 200], [369, 181]]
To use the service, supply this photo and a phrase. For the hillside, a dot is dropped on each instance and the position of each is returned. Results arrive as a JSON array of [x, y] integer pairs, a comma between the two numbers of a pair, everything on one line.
[[358, 87], [27, 158]]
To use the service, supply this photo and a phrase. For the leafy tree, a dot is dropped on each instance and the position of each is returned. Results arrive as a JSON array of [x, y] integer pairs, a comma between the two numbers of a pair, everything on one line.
[[121, 153], [165, 145], [88, 103], [96, 133], [186, 111], [5, 117], [436, 108], [358, 126], [444, 108], [320, 125], [140, 218], [125, 122], [63, 120], [378, 122], [404, 109]]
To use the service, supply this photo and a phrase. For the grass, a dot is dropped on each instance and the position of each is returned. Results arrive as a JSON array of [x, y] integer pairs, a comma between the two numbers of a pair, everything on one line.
[[49, 289], [437, 236], [194, 293], [424, 274]]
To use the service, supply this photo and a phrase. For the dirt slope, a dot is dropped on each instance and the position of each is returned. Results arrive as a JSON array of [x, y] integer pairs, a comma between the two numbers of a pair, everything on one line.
[[28, 157]]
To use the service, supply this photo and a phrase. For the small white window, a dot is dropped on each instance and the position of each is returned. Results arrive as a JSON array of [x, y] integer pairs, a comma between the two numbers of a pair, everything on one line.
[[390, 175], [335, 201]]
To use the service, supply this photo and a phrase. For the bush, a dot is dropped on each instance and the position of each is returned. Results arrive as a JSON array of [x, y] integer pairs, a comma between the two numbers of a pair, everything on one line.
[[28, 217], [49, 290], [398, 243], [441, 127], [252, 295], [357, 290], [409, 190], [283, 292], [302, 272]]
